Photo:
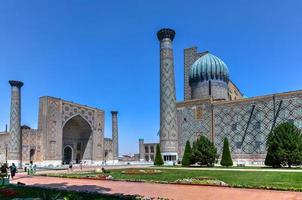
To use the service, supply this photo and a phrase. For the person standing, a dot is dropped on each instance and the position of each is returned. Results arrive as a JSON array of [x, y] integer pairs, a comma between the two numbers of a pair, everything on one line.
[[30, 168], [13, 170], [34, 169], [4, 169], [70, 166]]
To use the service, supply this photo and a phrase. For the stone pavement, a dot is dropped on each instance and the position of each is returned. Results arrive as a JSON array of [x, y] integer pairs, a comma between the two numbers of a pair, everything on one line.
[[86, 169], [171, 191]]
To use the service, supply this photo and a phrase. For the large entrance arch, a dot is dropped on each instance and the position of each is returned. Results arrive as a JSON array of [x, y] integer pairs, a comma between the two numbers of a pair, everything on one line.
[[77, 140]]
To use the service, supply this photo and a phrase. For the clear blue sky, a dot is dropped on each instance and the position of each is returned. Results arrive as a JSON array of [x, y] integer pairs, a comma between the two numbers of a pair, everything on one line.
[[105, 53]]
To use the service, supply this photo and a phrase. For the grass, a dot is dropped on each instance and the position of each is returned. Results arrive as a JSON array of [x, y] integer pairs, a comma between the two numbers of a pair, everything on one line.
[[233, 167], [45, 194], [247, 179]]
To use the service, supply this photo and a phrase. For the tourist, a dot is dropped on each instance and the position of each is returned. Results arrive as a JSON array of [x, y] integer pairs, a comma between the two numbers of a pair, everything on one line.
[[81, 165], [34, 169], [4, 168], [30, 168], [70, 166], [105, 171], [13, 170]]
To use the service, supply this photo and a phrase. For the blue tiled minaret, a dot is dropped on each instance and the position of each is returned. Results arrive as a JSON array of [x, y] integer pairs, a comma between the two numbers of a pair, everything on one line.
[[114, 135], [168, 125], [14, 147]]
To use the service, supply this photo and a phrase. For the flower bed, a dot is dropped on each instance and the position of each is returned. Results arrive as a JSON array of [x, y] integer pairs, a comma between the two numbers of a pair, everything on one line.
[[201, 181], [7, 192], [141, 171], [19, 192], [99, 177]]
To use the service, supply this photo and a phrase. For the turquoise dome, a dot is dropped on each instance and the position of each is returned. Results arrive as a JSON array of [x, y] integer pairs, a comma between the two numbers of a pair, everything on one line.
[[208, 67]]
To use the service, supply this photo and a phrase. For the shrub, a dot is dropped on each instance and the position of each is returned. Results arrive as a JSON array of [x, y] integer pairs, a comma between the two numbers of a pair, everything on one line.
[[158, 158], [226, 159], [284, 146], [187, 157], [204, 152]]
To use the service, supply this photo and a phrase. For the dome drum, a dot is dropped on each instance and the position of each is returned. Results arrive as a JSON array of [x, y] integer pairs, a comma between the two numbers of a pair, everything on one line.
[[218, 89]]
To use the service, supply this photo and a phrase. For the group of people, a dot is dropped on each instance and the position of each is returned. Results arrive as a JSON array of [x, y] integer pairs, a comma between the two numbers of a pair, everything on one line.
[[4, 170], [31, 168], [10, 171]]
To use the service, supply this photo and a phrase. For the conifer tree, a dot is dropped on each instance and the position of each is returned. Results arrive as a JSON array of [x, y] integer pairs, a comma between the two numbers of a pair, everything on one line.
[[226, 159], [187, 157], [284, 146], [158, 159], [204, 152]]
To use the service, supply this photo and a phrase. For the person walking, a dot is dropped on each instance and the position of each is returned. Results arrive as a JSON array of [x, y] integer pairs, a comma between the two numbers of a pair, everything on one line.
[[13, 170]]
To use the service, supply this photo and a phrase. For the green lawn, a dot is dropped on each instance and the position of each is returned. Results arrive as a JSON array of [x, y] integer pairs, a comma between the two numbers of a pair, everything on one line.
[[258, 179], [27, 192], [233, 167]]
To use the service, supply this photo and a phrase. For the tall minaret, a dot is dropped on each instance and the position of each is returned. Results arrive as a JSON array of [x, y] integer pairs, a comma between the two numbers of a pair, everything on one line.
[[141, 150], [114, 135], [168, 125], [15, 146]]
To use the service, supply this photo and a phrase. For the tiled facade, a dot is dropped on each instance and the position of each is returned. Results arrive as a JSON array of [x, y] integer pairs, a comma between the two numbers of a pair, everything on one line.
[[14, 141], [246, 122], [108, 149], [215, 107], [67, 132], [168, 125], [190, 56], [114, 135]]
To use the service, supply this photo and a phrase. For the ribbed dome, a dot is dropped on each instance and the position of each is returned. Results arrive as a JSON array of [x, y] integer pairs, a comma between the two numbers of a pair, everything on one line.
[[208, 67]]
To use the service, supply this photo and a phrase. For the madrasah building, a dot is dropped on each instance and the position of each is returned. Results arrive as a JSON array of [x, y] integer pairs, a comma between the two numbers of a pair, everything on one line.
[[213, 106], [67, 132]]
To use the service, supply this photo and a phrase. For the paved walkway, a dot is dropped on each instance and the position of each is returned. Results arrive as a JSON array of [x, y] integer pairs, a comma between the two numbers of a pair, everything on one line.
[[181, 192], [86, 169]]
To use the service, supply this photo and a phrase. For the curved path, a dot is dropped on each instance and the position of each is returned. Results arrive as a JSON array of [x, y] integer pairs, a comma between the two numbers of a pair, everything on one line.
[[170, 191]]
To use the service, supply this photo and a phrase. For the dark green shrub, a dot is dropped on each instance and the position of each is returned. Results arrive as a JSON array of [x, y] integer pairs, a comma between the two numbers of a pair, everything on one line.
[[284, 146], [204, 152], [226, 159], [187, 157], [158, 158]]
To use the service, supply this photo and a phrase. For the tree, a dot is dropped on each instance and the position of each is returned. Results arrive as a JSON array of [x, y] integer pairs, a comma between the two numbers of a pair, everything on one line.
[[226, 159], [186, 159], [284, 146], [204, 152], [271, 158], [158, 159]]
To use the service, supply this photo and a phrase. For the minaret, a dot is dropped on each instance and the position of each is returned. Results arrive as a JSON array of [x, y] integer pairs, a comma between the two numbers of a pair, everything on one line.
[[15, 146], [114, 135], [168, 125], [141, 150]]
